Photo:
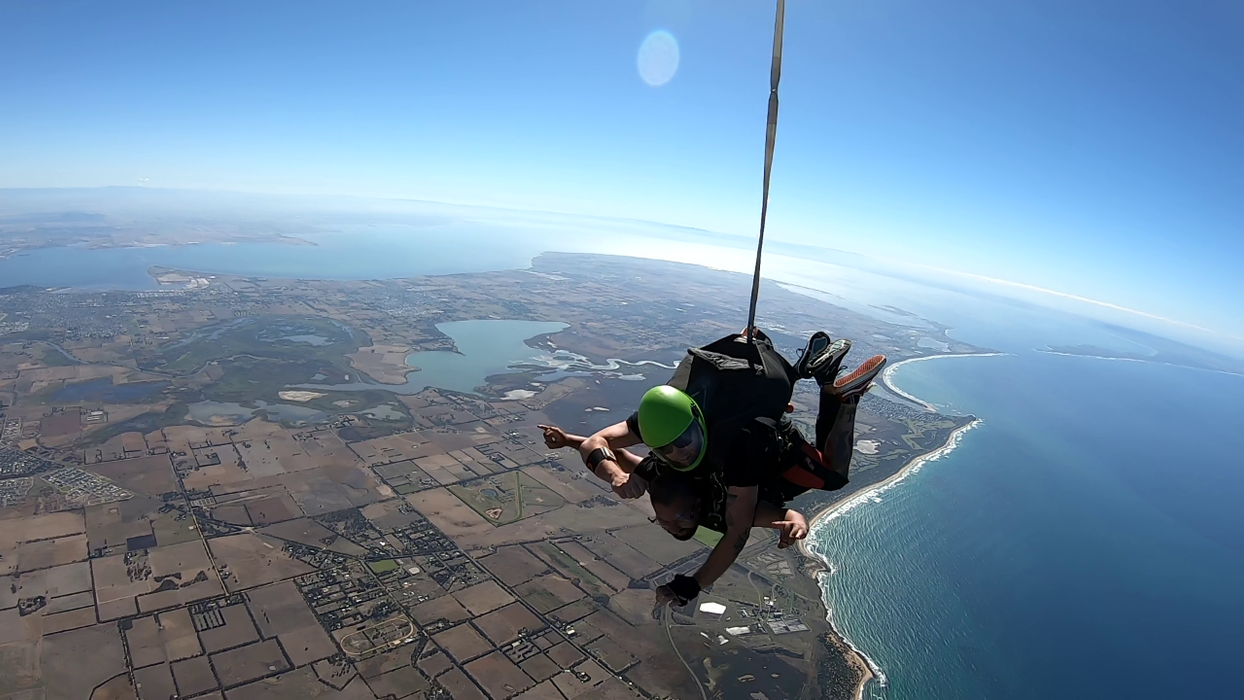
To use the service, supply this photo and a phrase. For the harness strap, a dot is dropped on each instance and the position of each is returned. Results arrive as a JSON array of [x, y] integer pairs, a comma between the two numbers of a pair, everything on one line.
[[775, 75]]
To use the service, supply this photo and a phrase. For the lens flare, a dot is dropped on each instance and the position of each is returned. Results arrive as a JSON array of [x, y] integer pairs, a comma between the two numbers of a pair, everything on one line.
[[658, 58]]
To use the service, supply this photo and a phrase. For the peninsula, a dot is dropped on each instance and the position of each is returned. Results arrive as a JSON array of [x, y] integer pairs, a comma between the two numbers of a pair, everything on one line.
[[233, 487]]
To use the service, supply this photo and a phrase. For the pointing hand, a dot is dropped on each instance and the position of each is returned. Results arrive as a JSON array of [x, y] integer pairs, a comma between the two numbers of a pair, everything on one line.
[[554, 437], [795, 527]]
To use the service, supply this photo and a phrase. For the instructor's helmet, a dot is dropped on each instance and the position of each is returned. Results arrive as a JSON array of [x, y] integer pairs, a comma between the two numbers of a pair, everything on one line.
[[673, 426]]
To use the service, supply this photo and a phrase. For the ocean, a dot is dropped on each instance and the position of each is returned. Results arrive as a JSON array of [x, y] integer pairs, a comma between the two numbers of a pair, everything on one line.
[[381, 251], [352, 252], [1085, 540]]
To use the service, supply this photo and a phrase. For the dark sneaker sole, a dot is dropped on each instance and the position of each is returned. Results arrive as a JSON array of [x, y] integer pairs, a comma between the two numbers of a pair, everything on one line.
[[858, 381], [825, 366], [816, 345]]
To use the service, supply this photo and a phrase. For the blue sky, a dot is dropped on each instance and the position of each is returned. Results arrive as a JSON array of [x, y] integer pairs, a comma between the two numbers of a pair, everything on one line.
[[1089, 148]]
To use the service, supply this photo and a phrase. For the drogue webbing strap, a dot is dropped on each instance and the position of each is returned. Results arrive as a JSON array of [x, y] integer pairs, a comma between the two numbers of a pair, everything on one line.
[[775, 75]]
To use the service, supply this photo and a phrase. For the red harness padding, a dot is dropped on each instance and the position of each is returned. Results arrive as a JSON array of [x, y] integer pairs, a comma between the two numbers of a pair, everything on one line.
[[812, 472]]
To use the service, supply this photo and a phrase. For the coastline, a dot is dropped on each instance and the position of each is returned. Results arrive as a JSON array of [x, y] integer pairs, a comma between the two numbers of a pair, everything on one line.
[[888, 373], [826, 568], [1047, 351]]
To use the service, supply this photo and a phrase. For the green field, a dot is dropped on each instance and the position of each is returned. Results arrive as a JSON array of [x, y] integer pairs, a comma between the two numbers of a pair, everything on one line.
[[246, 379], [505, 498], [296, 338], [53, 358], [256, 357], [707, 537], [382, 567], [587, 580], [145, 423]]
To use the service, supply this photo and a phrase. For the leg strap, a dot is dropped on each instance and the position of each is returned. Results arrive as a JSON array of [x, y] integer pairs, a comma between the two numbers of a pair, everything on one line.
[[810, 471]]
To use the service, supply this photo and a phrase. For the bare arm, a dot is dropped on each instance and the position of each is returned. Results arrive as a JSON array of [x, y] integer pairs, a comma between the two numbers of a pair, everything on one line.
[[556, 438], [790, 523], [740, 515], [768, 515], [616, 436]]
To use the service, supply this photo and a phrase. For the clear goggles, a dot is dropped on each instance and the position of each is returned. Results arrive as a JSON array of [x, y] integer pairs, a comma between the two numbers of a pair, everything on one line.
[[684, 450]]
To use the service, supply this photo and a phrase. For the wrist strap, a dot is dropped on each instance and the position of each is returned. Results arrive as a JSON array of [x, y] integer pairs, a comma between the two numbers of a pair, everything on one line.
[[685, 587], [598, 455]]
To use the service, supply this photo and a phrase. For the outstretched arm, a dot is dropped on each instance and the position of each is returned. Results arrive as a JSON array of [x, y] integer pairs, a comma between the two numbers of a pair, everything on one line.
[[790, 523], [740, 514], [741, 505], [616, 436], [556, 438]]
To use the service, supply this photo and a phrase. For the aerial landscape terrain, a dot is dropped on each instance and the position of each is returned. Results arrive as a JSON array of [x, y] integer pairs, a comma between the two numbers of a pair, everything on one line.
[[239, 487], [314, 314]]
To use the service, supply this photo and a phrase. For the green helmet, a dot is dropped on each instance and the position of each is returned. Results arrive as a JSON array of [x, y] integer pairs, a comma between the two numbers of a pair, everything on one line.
[[673, 426]]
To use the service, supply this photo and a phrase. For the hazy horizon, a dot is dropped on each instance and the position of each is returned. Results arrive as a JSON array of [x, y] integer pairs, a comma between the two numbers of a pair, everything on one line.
[[305, 214]]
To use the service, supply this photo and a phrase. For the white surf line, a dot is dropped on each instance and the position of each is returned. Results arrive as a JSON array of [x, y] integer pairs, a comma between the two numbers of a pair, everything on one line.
[[869, 495], [912, 467], [1099, 357], [1137, 359], [820, 520], [887, 376]]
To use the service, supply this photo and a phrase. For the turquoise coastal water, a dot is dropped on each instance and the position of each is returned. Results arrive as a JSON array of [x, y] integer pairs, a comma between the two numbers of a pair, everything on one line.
[[1085, 540]]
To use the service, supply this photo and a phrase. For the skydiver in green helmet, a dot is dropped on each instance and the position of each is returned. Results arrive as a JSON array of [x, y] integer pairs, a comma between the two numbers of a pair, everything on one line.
[[718, 430], [685, 503]]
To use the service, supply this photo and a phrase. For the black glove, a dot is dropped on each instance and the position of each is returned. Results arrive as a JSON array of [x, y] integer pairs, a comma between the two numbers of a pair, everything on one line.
[[685, 587]]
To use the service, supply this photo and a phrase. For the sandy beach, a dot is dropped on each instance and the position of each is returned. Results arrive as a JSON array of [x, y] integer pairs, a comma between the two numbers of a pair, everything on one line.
[[871, 669], [861, 498], [887, 375]]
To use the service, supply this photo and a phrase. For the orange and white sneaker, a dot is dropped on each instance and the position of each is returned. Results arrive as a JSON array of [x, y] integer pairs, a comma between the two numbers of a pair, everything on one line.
[[858, 382]]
